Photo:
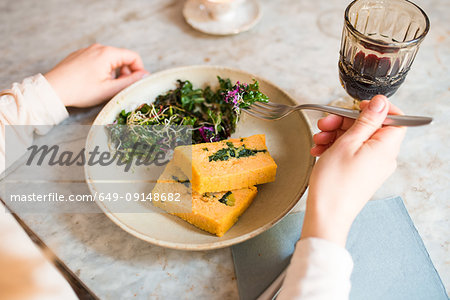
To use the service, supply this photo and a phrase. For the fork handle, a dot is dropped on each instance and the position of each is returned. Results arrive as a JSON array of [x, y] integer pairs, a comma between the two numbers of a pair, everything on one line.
[[396, 120]]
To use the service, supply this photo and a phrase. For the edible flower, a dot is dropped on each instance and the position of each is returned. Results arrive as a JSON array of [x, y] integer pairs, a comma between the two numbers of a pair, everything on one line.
[[235, 96], [208, 134]]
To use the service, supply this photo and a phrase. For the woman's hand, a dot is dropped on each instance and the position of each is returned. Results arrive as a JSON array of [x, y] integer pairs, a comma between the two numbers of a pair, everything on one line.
[[356, 158], [87, 77]]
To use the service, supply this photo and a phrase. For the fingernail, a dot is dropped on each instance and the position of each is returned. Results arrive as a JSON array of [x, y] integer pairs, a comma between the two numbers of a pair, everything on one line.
[[377, 104], [145, 75]]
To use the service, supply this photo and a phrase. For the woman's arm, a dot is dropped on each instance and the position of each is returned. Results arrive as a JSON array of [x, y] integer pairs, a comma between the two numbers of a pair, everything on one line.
[[356, 158], [86, 77], [83, 79], [32, 102]]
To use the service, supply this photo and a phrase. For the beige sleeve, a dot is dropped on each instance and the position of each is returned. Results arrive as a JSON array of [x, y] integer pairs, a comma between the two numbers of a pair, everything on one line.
[[319, 269], [25, 273], [32, 102]]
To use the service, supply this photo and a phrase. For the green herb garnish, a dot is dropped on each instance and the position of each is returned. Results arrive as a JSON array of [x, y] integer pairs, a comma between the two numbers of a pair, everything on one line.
[[213, 115], [242, 95], [232, 152], [228, 199], [185, 182]]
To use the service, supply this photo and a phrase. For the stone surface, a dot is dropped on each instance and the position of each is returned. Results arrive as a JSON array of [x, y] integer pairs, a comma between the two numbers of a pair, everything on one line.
[[296, 46]]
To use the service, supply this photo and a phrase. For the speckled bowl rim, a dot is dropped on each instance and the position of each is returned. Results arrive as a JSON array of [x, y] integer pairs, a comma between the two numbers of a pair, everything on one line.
[[204, 246]]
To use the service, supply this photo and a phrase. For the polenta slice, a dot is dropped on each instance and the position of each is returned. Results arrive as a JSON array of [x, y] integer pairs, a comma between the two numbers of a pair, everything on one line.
[[212, 212], [173, 191], [227, 165]]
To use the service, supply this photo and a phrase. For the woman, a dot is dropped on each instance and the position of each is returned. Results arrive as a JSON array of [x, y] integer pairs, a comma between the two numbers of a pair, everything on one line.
[[355, 158]]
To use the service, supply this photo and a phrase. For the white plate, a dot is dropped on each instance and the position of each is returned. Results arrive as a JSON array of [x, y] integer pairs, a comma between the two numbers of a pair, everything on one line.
[[288, 140], [247, 15]]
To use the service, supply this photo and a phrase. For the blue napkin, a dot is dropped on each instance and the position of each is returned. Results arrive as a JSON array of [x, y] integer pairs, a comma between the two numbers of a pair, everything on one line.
[[390, 259]]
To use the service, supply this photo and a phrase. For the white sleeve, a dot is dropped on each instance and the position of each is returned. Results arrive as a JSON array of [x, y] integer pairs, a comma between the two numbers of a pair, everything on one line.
[[319, 269], [32, 102], [25, 273]]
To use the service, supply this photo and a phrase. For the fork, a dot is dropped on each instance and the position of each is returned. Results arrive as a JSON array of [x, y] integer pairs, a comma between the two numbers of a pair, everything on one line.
[[276, 111]]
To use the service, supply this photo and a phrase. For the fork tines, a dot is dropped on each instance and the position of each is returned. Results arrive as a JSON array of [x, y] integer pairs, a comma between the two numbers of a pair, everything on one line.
[[265, 110]]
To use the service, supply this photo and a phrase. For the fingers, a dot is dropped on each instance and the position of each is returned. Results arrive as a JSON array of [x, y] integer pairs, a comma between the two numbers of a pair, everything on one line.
[[369, 121], [394, 110], [322, 141], [363, 104], [332, 127], [124, 71], [334, 122], [118, 57], [388, 140], [347, 123], [128, 62], [124, 57], [116, 85], [318, 150], [330, 123], [324, 138]]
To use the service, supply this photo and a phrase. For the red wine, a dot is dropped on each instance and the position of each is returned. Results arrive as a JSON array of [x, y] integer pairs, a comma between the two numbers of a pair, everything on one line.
[[369, 76]]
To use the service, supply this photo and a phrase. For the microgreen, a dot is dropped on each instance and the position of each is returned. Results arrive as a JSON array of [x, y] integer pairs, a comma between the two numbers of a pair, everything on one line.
[[213, 115]]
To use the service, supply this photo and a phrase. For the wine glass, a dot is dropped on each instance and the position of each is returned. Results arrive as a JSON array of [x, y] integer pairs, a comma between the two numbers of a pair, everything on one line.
[[379, 42]]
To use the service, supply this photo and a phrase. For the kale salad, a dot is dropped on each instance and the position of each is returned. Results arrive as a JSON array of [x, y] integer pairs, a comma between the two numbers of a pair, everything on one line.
[[211, 115]]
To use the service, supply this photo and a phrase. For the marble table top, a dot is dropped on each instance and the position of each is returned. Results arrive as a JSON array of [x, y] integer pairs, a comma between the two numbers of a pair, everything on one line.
[[296, 46]]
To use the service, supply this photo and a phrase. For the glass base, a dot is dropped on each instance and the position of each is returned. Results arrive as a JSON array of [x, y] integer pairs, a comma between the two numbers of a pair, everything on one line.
[[346, 102]]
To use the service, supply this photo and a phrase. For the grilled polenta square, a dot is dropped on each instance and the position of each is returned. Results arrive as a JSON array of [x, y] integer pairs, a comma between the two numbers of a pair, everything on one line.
[[212, 212], [227, 165]]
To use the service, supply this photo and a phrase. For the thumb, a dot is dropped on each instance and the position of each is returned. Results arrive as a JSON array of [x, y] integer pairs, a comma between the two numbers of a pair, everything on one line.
[[368, 122], [118, 84]]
